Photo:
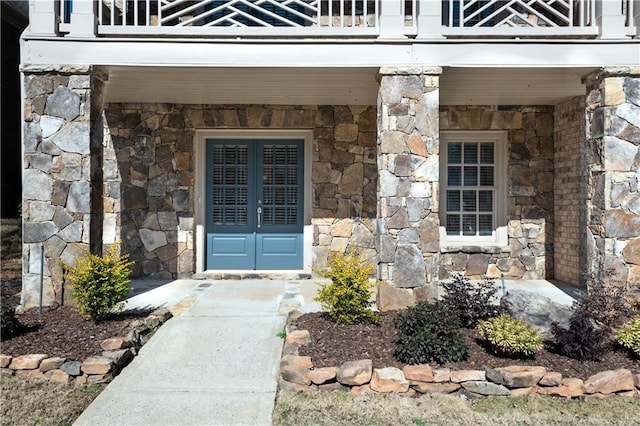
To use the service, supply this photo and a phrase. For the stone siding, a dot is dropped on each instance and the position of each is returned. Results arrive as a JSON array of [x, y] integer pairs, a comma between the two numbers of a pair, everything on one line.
[[569, 134], [62, 106], [408, 161], [613, 202], [149, 192], [344, 181], [530, 168]]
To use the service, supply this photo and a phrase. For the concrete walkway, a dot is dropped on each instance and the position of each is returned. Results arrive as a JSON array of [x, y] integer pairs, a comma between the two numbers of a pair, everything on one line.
[[215, 363]]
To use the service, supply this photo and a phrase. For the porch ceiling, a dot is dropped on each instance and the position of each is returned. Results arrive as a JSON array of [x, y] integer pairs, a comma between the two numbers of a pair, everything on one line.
[[335, 86]]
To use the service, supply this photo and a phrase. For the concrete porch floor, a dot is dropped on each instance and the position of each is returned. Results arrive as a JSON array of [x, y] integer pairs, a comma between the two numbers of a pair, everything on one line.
[[299, 294]]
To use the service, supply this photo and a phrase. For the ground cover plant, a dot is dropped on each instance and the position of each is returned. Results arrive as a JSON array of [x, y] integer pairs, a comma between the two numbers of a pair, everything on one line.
[[511, 337], [628, 335]]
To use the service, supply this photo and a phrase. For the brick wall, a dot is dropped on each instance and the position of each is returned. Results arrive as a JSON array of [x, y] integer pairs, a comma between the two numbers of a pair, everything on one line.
[[569, 119]]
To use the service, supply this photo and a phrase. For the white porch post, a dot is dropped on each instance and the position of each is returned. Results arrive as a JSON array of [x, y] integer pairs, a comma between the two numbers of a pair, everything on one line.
[[391, 19], [610, 19], [42, 17], [83, 19], [635, 16], [430, 19]]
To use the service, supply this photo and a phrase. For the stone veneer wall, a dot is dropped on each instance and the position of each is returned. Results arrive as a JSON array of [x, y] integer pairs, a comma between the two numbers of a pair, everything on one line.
[[149, 192], [62, 107], [408, 158], [530, 215], [613, 202], [569, 134]]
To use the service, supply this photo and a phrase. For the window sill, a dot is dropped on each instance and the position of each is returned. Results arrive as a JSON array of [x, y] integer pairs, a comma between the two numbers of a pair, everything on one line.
[[498, 243]]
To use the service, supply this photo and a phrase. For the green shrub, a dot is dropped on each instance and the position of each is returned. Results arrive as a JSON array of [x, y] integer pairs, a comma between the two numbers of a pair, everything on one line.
[[470, 302], [347, 299], [629, 335], [9, 324], [429, 332], [510, 336], [100, 284]]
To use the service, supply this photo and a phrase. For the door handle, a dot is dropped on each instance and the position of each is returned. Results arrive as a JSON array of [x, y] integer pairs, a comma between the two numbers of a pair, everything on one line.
[[259, 216]]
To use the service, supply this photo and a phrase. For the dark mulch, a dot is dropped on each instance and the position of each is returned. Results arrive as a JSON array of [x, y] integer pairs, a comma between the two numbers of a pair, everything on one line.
[[63, 332], [332, 344]]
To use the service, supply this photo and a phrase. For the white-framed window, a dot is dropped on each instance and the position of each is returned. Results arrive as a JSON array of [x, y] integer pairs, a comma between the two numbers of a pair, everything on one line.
[[473, 201]]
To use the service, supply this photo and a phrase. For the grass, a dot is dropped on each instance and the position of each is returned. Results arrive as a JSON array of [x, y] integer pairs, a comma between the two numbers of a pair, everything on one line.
[[10, 250], [37, 402], [340, 408]]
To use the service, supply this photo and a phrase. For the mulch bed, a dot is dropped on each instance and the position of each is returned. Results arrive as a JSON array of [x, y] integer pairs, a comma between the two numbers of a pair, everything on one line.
[[332, 344], [62, 332]]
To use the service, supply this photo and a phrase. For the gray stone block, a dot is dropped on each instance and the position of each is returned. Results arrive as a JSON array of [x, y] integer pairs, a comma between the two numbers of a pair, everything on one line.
[[37, 232], [409, 269], [74, 137], [537, 310]]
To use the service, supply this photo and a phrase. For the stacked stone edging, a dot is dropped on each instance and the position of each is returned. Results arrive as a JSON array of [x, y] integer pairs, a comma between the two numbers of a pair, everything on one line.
[[298, 374], [117, 353]]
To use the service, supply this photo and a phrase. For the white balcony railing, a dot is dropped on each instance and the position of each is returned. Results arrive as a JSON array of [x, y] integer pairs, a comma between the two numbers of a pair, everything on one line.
[[239, 17], [520, 17], [423, 19]]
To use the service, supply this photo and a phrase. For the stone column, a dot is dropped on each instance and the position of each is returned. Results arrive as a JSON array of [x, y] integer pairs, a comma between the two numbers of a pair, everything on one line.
[[408, 175], [612, 246], [62, 151]]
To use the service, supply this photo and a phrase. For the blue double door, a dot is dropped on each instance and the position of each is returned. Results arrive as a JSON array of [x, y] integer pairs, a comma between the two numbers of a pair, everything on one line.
[[254, 213]]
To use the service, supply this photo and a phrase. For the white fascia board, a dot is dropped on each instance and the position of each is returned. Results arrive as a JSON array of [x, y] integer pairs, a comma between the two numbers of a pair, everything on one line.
[[315, 54]]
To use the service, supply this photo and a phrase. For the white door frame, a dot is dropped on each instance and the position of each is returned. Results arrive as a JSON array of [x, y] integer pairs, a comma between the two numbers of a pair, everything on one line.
[[200, 137]]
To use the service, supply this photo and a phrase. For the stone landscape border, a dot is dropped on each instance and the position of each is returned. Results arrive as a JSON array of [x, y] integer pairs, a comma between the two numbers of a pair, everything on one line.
[[298, 374], [117, 353]]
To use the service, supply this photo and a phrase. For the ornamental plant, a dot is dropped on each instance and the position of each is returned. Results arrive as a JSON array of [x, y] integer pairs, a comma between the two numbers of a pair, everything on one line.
[[347, 299], [606, 302], [629, 335], [9, 324], [429, 332], [585, 339], [510, 336], [470, 302], [100, 283]]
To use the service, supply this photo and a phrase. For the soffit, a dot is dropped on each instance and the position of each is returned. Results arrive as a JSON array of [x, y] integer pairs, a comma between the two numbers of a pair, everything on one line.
[[334, 86]]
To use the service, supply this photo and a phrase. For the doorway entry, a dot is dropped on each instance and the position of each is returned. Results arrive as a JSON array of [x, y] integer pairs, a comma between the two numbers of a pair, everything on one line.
[[254, 203]]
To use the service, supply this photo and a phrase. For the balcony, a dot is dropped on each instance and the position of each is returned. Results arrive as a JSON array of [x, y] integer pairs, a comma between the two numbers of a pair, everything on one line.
[[339, 19]]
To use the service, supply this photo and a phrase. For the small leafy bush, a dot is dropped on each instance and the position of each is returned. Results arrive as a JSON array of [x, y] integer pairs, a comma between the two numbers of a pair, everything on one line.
[[606, 303], [100, 284], [585, 339], [347, 299], [510, 336], [429, 332], [629, 335], [9, 324], [470, 302]]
